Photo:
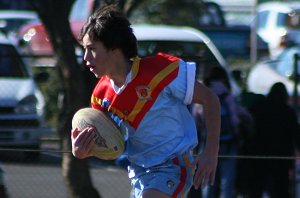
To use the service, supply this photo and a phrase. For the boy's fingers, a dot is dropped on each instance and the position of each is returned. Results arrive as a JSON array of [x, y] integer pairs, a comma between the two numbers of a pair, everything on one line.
[[75, 132]]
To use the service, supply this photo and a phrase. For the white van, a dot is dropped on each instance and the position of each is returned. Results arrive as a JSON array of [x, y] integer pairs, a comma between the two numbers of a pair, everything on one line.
[[278, 24], [188, 43]]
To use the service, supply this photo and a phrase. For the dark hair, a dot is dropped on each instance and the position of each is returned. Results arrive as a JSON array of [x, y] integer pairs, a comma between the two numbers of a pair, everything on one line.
[[218, 73], [108, 25], [278, 93]]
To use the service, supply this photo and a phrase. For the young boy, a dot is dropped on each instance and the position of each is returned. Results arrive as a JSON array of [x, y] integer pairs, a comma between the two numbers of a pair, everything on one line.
[[148, 98]]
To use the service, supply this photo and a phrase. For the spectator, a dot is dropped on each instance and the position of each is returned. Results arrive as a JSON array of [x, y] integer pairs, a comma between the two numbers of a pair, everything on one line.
[[244, 169], [277, 134], [217, 80]]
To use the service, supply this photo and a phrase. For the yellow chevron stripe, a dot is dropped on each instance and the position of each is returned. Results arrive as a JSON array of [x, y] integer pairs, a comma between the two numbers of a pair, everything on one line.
[[189, 168], [118, 113], [135, 67], [95, 100], [153, 84], [186, 160]]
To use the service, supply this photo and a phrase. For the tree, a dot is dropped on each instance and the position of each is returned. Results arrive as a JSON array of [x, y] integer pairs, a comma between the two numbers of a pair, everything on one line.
[[181, 12], [54, 14]]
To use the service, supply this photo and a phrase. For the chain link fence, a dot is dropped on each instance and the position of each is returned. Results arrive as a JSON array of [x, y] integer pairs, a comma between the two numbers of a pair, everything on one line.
[[25, 177]]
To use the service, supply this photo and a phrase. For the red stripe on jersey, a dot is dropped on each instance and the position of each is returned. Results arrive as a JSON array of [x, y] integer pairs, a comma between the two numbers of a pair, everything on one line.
[[154, 72]]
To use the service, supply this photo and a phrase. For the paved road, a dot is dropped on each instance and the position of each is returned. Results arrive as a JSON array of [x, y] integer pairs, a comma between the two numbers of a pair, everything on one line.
[[43, 179]]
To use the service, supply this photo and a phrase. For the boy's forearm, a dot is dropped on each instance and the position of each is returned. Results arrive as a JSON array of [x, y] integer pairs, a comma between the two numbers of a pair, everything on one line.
[[213, 122]]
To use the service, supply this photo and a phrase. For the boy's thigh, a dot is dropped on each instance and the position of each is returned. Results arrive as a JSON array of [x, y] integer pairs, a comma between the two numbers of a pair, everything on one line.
[[154, 193]]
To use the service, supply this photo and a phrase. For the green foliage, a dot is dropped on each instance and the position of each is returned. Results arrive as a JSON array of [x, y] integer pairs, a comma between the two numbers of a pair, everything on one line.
[[179, 12]]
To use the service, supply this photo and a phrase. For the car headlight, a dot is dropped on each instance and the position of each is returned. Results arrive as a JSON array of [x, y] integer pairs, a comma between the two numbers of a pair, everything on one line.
[[27, 105]]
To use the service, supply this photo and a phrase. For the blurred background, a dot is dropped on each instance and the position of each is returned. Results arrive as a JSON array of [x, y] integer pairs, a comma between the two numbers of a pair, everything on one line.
[[44, 81]]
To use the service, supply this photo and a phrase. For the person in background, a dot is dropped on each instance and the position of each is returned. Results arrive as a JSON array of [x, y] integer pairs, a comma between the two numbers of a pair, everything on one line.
[[148, 97], [217, 80], [276, 135]]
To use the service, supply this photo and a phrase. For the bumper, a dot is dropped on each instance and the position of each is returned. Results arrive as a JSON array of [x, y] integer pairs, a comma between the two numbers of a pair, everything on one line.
[[21, 137]]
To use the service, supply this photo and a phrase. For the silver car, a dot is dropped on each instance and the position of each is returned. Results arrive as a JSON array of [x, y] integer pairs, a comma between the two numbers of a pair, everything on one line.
[[21, 102], [12, 20]]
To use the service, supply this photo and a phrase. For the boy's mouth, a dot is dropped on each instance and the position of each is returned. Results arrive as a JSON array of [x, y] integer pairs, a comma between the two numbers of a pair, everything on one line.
[[90, 66]]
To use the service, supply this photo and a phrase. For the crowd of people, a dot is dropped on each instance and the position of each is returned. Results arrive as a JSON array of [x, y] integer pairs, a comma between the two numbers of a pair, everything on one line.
[[276, 137], [266, 129]]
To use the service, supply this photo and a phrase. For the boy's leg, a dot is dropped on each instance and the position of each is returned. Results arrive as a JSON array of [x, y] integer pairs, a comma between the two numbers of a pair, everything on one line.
[[155, 193]]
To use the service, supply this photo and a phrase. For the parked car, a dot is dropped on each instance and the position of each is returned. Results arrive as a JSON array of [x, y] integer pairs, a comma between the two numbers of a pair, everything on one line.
[[3, 183], [265, 73], [185, 42], [34, 39], [12, 20], [278, 24], [21, 102], [235, 41], [232, 41]]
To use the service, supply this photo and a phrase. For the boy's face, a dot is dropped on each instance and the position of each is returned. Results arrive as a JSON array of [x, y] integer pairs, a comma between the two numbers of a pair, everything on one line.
[[97, 57]]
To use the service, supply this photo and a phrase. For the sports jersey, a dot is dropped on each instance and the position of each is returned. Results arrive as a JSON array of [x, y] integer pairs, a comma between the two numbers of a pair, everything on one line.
[[152, 106]]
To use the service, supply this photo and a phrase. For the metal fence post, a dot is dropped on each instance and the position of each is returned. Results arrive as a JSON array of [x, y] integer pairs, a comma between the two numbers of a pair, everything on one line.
[[296, 81], [296, 186]]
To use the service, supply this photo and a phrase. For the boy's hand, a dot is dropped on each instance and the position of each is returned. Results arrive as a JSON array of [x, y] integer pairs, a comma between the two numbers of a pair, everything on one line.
[[206, 169], [82, 142]]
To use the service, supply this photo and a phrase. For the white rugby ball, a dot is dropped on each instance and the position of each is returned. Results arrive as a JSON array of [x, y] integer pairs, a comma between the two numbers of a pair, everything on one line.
[[109, 143]]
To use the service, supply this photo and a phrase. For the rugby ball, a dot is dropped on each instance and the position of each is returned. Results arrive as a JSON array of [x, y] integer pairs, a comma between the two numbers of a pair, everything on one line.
[[109, 143]]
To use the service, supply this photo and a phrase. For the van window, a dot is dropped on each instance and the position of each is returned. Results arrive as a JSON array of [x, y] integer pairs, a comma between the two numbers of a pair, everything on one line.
[[10, 63], [262, 19], [188, 51], [176, 48], [282, 19]]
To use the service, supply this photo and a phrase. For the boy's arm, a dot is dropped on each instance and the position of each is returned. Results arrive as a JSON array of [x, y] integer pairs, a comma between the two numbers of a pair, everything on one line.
[[206, 161]]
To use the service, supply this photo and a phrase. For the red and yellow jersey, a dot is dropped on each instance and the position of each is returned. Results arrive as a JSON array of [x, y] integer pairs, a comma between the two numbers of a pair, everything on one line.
[[153, 103], [150, 76]]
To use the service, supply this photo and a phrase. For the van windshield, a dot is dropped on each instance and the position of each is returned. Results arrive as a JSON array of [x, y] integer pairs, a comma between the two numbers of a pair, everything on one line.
[[11, 64], [189, 51], [176, 48]]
